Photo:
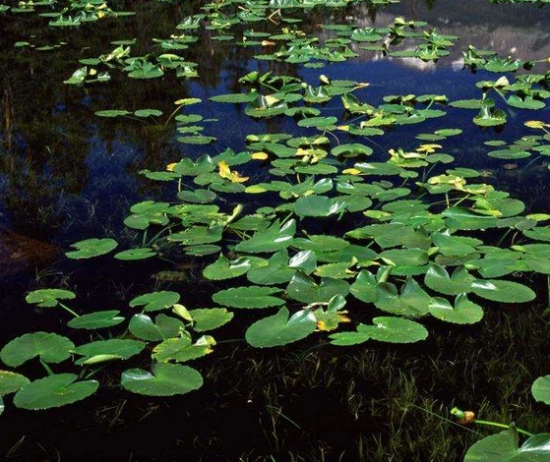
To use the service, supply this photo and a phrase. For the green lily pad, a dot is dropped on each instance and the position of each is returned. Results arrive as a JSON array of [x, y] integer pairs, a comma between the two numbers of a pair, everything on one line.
[[504, 447], [51, 348], [136, 254], [394, 330], [49, 298], [182, 350], [54, 391], [105, 350], [165, 380], [156, 301], [540, 389], [90, 248], [437, 278], [503, 291], [248, 297], [10, 382], [272, 239], [304, 289], [205, 319], [143, 327], [279, 329], [223, 268], [463, 312], [97, 320]]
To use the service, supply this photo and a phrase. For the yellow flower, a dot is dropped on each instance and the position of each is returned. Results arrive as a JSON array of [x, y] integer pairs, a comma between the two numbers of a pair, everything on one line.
[[534, 124], [170, 167], [260, 155], [225, 172], [428, 148], [351, 171]]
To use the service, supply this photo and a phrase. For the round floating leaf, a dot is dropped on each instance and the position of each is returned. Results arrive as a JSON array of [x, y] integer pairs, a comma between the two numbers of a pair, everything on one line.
[[165, 380], [464, 311], [304, 289], [349, 338], [503, 447], [48, 298], [205, 319], [90, 248], [156, 301], [107, 350], [394, 330], [112, 113], [143, 327], [54, 391], [540, 389], [98, 320], [223, 268], [248, 297], [318, 206], [364, 287], [135, 254], [437, 278], [51, 348], [10, 382], [279, 330], [503, 291], [181, 349], [318, 122], [148, 113]]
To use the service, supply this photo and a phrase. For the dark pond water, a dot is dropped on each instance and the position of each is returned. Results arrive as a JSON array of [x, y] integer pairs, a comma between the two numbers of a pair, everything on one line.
[[66, 175]]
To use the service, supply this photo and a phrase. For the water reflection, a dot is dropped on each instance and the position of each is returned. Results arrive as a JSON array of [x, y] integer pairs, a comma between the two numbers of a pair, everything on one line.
[[64, 171]]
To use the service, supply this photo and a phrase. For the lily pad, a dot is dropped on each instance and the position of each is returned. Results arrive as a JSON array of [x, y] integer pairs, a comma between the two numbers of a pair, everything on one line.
[[97, 320], [51, 348], [279, 329], [54, 391], [90, 248], [164, 380], [49, 298], [156, 301], [248, 297]]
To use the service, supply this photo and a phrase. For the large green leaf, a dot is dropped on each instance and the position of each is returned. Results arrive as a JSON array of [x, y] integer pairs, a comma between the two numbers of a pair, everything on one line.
[[97, 320], [48, 298], [107, 350], [304, 289], [275, 270], [54, 391], [318, 206], [181, 349], [272, 239], [504, 447], [223, 268], [438, 279], [394, 330], [503, 291], [51, 348], [164, 380], [156, 301], [463, 312], [91, 248], [143, 327], [248, 297], [413, 300], [279, 329], [364, 287], [205, 319]]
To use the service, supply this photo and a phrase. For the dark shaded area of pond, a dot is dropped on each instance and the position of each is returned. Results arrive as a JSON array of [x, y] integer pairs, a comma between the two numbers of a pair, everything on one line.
[[66, 175]]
